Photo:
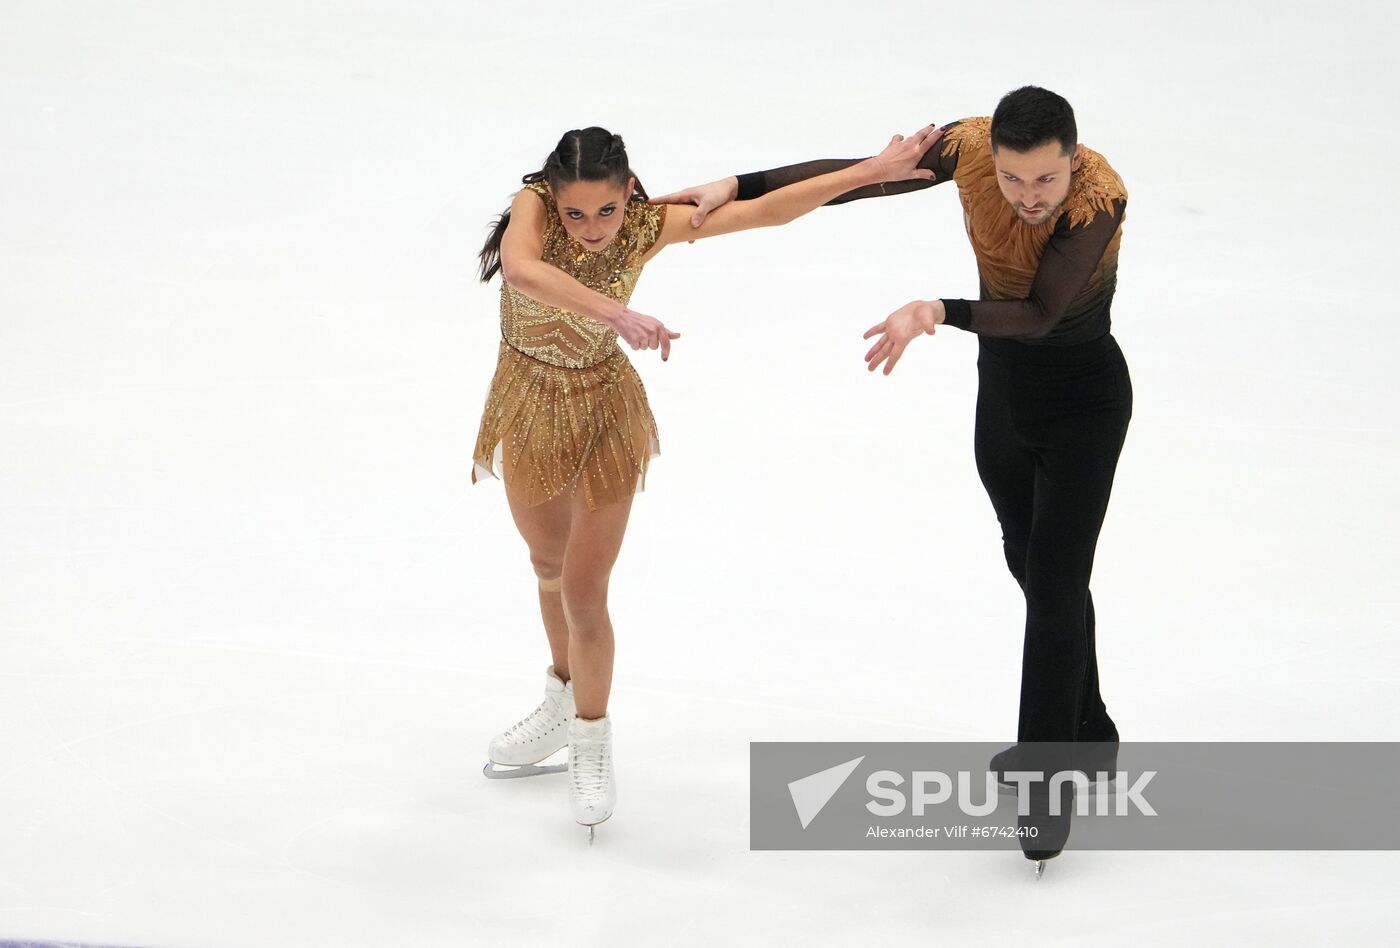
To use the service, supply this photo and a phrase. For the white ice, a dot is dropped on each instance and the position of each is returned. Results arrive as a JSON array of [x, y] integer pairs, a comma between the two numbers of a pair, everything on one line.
[[256, 627]]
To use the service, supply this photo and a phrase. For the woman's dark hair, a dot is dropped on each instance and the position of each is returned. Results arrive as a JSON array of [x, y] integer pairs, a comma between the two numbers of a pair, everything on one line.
[[1031, 116], [584, 154]]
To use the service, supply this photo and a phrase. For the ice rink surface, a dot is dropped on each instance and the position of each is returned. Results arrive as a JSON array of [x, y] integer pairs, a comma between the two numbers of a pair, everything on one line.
[[256, 627]]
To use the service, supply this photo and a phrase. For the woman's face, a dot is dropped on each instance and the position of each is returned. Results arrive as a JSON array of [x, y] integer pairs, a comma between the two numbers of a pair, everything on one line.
[[592, 211]]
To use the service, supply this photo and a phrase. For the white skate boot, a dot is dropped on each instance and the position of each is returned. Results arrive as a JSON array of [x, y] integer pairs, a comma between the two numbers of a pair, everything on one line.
[[592, 791], [517, 751]]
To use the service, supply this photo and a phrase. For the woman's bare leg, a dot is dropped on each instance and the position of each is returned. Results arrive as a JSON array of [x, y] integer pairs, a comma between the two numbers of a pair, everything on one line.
[[545, 528], [595, 538]]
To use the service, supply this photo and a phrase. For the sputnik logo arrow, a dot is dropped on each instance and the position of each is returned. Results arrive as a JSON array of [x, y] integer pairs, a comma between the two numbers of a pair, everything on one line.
[[811, 794]]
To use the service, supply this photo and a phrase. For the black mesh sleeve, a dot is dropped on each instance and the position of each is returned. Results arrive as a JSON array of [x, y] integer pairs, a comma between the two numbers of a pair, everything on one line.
[[759, 183], [1068, 262]]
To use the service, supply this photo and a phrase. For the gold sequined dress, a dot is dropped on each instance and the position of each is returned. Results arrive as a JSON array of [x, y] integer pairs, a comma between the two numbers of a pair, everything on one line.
[[566, 410]]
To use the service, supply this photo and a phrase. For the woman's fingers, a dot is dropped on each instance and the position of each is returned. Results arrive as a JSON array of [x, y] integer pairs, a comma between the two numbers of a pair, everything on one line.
[[645, 332], [666, 337]]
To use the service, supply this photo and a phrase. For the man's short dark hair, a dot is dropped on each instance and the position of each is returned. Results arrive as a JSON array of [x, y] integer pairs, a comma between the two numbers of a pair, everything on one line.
[[1031, 116]]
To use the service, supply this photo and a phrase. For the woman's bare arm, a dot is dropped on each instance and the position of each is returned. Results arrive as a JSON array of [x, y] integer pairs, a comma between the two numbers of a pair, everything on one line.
[[523, 267], [898, 162]]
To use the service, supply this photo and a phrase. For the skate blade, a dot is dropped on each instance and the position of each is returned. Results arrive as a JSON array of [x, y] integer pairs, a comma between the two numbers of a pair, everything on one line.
[[1039, 869], [497, 771], [593, 826]]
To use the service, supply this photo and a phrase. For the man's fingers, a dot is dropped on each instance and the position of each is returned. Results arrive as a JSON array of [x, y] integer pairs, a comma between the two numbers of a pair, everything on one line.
[[874, 349], [703, 211], [665, 346], [893, 359], [878, 327], [679, 197]]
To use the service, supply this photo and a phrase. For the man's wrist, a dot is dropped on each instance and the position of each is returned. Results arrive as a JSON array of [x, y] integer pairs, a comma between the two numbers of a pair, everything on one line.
[[749, 186], [956, 313]]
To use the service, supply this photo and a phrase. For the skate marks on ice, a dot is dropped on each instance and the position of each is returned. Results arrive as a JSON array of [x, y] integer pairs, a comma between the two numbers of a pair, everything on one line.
[[58, 944]]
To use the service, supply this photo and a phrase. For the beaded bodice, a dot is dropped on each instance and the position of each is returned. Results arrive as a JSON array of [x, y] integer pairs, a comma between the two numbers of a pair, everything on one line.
[[561, 337]]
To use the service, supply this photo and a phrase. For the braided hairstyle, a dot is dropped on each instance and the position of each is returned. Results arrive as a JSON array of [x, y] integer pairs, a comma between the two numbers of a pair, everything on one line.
[[584, 154]]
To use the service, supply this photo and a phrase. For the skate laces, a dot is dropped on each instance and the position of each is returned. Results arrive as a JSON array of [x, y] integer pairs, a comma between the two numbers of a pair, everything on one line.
[[534, 725], [587, 766]]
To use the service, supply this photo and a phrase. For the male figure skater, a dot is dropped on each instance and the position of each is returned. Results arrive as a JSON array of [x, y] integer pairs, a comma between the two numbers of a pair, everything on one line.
[[1054, 397]]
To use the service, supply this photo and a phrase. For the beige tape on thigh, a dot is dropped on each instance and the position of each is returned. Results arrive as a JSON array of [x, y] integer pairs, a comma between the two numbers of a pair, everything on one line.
[[551, 585]]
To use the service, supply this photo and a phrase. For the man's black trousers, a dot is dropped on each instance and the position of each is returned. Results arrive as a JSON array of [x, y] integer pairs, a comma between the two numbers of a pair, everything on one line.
[[1050, 426]]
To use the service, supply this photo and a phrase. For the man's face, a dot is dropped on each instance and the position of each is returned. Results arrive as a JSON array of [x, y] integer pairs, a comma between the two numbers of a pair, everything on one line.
[[1035, 182]]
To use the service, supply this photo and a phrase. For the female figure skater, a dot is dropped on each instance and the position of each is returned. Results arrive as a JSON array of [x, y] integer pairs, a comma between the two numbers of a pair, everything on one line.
[[567, 425]]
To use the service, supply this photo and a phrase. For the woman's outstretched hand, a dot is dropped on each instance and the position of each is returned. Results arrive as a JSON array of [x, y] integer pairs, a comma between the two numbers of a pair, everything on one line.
[[707, 197], [898, 162], [644, 332], [900, 159], [899, 329]]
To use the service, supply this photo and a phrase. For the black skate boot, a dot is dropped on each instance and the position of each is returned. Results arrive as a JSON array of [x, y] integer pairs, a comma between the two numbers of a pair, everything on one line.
[[1043, 832], [1095, 752]]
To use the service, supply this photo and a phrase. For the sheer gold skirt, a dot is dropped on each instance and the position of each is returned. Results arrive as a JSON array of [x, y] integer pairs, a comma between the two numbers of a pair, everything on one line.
[[549, 431]]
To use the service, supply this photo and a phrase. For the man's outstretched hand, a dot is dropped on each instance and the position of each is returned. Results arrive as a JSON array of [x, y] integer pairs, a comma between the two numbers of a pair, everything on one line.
[[706, 197], [899, 329]]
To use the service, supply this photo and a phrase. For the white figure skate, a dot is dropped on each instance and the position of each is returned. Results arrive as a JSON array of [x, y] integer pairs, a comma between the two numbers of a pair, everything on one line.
[[592, 790], [517, 751]]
